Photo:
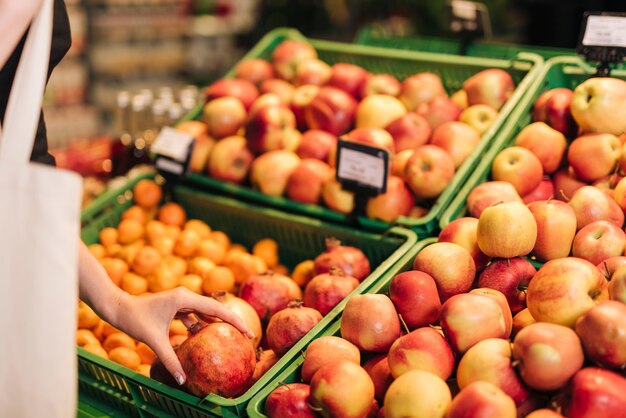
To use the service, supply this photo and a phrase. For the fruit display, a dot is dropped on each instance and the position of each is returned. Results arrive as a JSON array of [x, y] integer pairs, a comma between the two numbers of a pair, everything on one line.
[[225, 252], [269, 133]]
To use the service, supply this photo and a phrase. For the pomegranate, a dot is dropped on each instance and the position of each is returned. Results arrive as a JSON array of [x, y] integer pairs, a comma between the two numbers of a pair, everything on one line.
[[350, 260], [244, 311], [290, 400], [266, 295], [289, 325], [159, 373], [326, 290], [265, 360], [217, 358]]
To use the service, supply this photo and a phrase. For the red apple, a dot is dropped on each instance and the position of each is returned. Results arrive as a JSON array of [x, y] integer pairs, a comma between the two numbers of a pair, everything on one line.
[[306, 181], [380, 84], [594, 156], [421, 88], [332, 110], [398, 163], [202, 149], [544, 413], [423, 349], [482, 399], [224, 116], [518, 166], [597, 393], [617, 285], [289, 400], [548, 355], [414, 294], [598, 241], [409, 131], [506, 230], [439, 110], [564, 289], [316, 144], [511, 277], [378, 111], [288, 54], [370, 322], [255, 70], [556, 228], [462, 231], [590, 204], [619, 194], [302, 97], [602, 331], [469, 318], [342, 389], [546, 143], [418, 394], [270, 172], [597, 105], [313, 72], [378, 369], [336, 198], [460, 98], [457, 139], [608, 185], [544, 191], [264, 100], [479, 117], [325, 350], [374, 137], [395, 202], [502, 301], [566, 184], [609, 266], [489, 194], [243, 90], [230, 160], [492, 87], [272, 128], [521, 319], [491, 361], [348, 77], [283, 89], [429, 171], [553, 108], [450, 265]]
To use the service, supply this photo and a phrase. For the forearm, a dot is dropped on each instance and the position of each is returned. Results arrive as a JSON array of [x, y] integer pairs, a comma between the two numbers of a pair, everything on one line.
[[15, 16], [96, 288]]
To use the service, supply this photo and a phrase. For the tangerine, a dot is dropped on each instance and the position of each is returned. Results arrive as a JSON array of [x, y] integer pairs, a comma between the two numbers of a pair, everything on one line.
[[147, 194], [125, 356], [172, 214]]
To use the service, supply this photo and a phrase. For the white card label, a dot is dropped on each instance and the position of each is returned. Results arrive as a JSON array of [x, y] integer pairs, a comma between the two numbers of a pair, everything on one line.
[[173, 144], [363, 168], [464, 9], [605, 31]]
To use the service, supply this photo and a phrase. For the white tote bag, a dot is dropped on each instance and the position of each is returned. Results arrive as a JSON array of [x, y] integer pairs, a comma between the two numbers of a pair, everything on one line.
[[39, 233]]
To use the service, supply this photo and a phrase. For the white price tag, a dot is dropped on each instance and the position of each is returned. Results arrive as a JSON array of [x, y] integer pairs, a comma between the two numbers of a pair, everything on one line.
[[173, 144], [464, 9], [363, 168], [605, 31]]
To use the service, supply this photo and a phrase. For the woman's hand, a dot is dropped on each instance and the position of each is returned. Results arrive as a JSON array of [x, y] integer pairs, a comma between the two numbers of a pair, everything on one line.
[[147, 318]]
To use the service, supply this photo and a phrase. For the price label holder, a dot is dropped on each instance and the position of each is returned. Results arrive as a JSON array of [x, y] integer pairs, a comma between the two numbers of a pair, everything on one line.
[[468, 20], [171, 153], [603, 39], [361, 169]]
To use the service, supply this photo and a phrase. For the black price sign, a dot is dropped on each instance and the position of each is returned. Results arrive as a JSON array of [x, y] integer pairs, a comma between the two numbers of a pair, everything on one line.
[[603, 39], [469, 18], [172, 152], [361, 168]]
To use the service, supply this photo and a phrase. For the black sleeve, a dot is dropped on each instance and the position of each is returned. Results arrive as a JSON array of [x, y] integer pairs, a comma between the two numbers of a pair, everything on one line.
[[61, 41]]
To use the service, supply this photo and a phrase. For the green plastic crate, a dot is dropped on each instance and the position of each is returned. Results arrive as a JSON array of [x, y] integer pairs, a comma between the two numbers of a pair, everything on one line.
[[106, 383], [292, 373], [481, 48], [559, 72], [452, 69]]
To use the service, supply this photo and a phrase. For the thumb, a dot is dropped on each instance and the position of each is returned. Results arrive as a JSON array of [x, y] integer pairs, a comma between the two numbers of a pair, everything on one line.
[[168, 357]]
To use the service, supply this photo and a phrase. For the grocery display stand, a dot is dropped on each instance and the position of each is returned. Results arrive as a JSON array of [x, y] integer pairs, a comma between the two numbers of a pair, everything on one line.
[[453, 70], [479, 48], [106, 385], [292, 373], [558, 72]]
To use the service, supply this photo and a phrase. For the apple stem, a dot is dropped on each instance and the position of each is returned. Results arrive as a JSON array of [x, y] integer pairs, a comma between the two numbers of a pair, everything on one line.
[[314, 408], [406, 328], [508, 262], [607, 274], [515, 363], [567, 199]]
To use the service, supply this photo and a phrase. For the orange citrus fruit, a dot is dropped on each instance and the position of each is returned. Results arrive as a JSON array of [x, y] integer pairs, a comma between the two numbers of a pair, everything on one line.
[[86, 336], [115, 268], [192, 282], [135, 212], [97, 350], [303, 272], [187, 243], [134, 284], [119, 339], [212, 250], [108, 236], [98, 251], [172, 214], [203, 230], [146, 261], [267, 249], [147, 194], [87, 318], [146, 354], [162, 279], [218, 279], [125, 356], [129, 231]]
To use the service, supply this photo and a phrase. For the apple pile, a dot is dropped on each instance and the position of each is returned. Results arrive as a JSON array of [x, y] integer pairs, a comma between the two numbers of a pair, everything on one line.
[[156, 248], [275, 127], [443, 341]]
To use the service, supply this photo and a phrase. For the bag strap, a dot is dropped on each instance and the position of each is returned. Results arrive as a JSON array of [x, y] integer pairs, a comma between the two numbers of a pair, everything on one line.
[[24, 106]]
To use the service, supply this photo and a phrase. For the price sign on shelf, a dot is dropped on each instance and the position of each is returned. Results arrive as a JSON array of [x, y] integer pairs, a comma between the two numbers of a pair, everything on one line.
[[172, 151], [361, 168], [470, 18], [603, 37]]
